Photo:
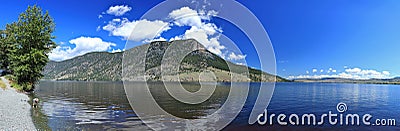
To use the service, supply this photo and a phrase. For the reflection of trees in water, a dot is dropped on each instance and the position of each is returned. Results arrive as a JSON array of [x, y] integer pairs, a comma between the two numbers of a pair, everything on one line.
[[113, 93], [90, 93], [75, 105], [110, 97]]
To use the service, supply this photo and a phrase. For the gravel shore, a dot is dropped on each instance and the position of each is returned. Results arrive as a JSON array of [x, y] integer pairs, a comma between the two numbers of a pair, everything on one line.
[[15, 111]]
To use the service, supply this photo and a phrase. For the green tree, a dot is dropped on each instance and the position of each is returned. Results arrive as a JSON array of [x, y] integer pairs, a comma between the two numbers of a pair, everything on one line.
[[33, 42], [2, 49], [7, 43]]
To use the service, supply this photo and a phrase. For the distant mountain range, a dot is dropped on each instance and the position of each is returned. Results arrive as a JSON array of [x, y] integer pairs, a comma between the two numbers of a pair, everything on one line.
[[395, 80], [104, 66]]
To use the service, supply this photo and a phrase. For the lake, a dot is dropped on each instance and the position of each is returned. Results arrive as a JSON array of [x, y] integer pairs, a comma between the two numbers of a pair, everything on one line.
[[67, 105]]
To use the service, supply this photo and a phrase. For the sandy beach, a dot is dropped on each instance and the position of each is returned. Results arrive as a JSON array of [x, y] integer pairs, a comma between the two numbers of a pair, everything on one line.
[[15, 111]]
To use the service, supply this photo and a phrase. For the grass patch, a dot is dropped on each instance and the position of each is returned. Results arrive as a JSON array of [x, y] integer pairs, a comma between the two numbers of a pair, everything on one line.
[[8, 77], [14, 84], [17, 86], [2, 85]]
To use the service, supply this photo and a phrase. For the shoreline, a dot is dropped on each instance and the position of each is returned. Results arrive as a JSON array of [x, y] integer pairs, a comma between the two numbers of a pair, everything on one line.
[[15, 111]]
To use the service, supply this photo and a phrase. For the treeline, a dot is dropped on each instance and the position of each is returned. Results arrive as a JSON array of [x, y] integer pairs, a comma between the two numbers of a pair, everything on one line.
[[25, 45]]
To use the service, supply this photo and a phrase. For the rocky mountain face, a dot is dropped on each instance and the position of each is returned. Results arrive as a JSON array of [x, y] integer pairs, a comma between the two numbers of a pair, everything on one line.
[[186, 60], [96, 66]]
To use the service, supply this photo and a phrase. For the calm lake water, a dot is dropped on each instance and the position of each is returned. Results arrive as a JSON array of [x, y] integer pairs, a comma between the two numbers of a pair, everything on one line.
[[104, 105]]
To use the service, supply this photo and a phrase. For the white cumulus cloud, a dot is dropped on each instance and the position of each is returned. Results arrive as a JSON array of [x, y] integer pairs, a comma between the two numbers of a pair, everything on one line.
[[156, 39], [353, 70], [186, 17], [314, 70], [234, 56], [141, 29], [200, 30], [116, 50], [118, 10], [349, 73], [239, 63], [204, 37], [385, 72], [83, 45]]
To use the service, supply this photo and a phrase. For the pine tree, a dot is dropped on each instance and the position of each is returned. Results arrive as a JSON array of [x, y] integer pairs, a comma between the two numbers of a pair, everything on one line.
[[3, 56], [33, 42], [7, 43]]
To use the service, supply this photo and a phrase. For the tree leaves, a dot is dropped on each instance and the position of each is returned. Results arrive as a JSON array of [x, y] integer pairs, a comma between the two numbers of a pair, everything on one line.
[[25, 45]]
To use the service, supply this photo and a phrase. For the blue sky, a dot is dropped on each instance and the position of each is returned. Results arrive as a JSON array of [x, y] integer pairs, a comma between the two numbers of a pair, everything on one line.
[[311, 39]]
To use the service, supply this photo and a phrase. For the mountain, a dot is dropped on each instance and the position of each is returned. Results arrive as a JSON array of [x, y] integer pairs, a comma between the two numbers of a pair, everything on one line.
[[395, 80], [95, 66], [104, 66]]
